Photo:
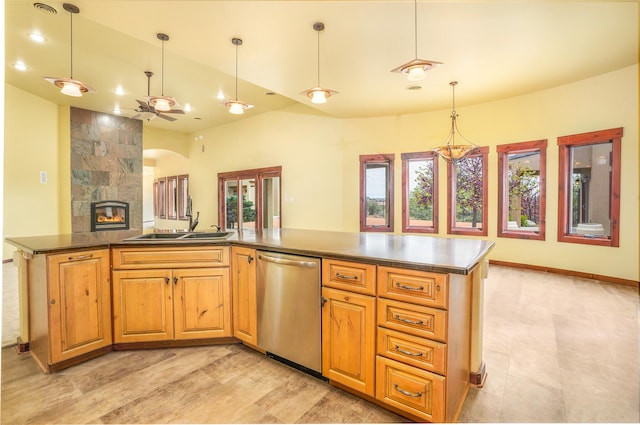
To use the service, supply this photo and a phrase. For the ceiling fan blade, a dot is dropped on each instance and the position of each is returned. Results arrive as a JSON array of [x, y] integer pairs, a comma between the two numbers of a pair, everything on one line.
[[142, 103], [174, 111], [166, 117]]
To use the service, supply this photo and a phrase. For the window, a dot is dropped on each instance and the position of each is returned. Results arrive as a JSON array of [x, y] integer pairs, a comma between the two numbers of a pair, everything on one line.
[[376, 193], [467, 195], [183, 196], [521, 190], [589, 194], [420, 192], [249, 199], [162, 198], [172, 197]]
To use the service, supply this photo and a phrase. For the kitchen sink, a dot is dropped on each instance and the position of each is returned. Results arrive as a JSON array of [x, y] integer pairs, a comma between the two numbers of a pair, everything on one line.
[[178, 236], [159, 236], [206, 235]]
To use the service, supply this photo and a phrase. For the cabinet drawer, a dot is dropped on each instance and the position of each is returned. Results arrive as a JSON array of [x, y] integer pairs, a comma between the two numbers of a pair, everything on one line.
[[349, 276], [415, 351], [174, 257], [413, 286], [417, 320], [412, 390]]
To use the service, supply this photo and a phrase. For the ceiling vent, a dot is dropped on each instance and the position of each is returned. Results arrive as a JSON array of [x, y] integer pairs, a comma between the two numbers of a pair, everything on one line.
[[45, 8]]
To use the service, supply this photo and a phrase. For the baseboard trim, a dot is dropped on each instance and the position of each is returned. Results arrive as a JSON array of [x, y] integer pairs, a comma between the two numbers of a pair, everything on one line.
[[608, 279], [22, 347], [478, 378]]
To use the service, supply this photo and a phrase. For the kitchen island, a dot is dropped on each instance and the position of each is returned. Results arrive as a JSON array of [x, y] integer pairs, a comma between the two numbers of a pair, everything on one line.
[[413, 304]]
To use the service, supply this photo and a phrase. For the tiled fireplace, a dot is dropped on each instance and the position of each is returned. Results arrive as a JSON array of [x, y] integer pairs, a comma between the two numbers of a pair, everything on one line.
[[106, 164]]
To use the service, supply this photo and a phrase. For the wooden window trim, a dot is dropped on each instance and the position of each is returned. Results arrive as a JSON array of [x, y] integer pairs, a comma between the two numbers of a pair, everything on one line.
[[406, 157], [613, 135], [539, 146], [483, 153], [377, 158], [257, 174]]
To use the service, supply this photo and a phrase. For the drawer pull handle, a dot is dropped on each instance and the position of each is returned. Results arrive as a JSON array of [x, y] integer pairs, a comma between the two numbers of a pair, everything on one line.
[[409, 288], [175, 280], [408, 353], [166, 279], [407, 393], [80, 257], [411, 322], [344, 276]]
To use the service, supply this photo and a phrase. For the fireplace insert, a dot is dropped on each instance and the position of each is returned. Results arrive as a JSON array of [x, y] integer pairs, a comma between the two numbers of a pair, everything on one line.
[[109, 215]]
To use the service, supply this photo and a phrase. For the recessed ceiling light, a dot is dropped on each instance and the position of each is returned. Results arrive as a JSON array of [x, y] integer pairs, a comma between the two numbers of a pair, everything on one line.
[[116, 110], [220, 95], [187, 107], [37, 37], [119, 91], [20, 66]]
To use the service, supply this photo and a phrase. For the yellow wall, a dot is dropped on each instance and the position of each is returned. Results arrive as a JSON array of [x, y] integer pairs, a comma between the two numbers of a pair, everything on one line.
[[319, 159], [30, 146]]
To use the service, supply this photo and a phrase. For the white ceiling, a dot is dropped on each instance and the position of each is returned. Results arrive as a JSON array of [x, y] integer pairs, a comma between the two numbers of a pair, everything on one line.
[[495, 49]]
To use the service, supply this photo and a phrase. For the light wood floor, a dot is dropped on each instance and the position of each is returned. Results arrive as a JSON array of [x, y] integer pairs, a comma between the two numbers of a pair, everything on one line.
[[558, 349]]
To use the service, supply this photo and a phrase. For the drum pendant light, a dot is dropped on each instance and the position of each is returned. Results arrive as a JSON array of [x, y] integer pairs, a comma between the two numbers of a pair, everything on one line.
[[318, 94], [70, 86], [416, 69], [235, 106]]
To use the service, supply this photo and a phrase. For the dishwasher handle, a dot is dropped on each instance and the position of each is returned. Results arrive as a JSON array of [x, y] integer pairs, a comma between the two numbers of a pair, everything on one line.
[[287, 262]]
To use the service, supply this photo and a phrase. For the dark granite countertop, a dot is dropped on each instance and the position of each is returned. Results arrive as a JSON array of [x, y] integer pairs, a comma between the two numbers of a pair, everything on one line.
[[436, 254]]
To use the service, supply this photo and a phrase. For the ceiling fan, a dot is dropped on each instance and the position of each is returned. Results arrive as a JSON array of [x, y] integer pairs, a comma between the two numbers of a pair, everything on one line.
[[146, 111]]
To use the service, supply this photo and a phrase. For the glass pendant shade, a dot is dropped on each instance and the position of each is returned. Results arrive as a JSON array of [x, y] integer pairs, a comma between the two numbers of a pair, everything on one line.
[[235, 108], [416, 73], [319, 96], [161, 103], [71, 89]]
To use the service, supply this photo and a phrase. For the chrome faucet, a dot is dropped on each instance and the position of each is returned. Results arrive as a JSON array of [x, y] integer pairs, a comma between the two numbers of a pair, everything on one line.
[[193, 223]]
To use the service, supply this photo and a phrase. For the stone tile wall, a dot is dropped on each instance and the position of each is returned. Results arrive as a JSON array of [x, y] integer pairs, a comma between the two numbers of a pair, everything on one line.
[[106, 164]]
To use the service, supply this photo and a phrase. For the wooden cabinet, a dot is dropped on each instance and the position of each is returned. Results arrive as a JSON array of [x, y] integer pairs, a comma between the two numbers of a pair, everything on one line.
[[423, 342], [158, 294], [243, 277], [70, 307], [348, 325]]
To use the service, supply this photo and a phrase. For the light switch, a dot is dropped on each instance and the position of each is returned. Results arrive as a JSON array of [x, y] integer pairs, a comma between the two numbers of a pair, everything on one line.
[[43, 177]]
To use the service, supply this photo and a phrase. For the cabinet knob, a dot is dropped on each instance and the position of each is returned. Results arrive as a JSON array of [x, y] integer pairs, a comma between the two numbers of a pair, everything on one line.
[[53, 302], [166, 279], [249, 259], [175, 280]]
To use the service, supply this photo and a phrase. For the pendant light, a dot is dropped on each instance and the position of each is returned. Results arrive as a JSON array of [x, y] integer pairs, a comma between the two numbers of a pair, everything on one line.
[[69, 86], [162, 103], [416, 69], [237, 107], [318, 94], [450, 151]]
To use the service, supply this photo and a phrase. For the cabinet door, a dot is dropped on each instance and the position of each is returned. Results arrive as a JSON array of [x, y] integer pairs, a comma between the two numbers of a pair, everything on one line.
[[202, 303], [348, 339], [243, 275], [142, 305], [79, 303]]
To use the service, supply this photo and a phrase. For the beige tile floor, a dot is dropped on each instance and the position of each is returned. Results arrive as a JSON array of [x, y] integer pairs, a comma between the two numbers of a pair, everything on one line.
[[557, 348]]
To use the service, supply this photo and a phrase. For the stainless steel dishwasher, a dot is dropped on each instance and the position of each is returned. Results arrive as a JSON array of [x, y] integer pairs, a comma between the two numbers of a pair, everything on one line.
[[289, 309]]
